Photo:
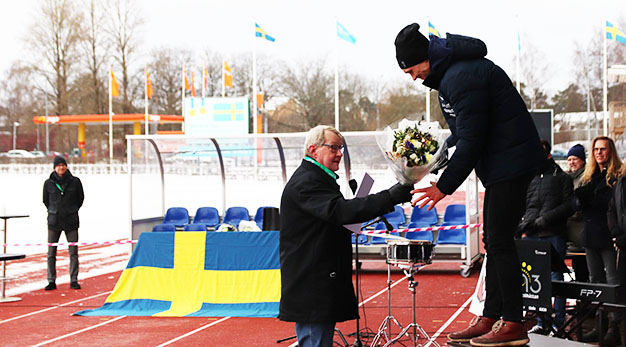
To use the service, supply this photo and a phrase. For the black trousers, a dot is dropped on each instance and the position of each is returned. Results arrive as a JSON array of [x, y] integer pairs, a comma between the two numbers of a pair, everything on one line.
[[503, 208]]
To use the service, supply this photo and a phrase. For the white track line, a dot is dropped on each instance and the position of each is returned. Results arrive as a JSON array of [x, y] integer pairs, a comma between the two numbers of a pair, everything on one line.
[[367, 300], [450, 320], [52, 308], [78, 331], [192, 332]]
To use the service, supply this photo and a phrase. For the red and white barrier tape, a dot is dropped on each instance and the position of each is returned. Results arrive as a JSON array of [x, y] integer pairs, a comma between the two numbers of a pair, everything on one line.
[[448, 227], [69, 243]]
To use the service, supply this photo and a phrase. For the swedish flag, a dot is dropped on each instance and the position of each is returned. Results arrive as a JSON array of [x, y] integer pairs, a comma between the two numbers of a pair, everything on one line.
[[432, 30], [614, 34], [262, 34], [205, 274]]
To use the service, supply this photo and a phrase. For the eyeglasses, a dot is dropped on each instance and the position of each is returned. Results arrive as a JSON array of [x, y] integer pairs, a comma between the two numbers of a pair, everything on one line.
[[333, 148]]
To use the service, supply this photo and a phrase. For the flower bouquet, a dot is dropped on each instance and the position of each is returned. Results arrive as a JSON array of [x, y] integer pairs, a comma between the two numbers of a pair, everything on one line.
[[413, 149]]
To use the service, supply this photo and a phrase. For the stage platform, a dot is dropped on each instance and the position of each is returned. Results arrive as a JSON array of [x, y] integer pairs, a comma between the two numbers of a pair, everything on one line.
[[537, 340]]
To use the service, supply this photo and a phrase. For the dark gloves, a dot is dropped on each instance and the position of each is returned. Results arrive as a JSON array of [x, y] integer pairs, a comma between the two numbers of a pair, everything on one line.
[[400, 193]]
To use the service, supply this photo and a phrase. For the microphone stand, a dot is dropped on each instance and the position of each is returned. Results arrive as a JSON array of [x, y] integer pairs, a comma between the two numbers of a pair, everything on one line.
[[357, 341]]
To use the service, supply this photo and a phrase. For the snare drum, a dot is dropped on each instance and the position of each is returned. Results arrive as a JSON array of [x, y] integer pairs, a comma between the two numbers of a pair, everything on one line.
[[409, 252]]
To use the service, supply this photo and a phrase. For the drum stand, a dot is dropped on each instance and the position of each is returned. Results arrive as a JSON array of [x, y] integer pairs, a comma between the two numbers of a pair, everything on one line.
[[385, 326], [413, 326]]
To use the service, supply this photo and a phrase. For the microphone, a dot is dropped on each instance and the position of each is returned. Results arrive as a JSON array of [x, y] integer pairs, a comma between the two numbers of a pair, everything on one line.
[[388, 225], [352, 183]]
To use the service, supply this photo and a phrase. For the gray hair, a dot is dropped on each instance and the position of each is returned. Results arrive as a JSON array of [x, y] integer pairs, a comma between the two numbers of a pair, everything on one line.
[[315, 136]]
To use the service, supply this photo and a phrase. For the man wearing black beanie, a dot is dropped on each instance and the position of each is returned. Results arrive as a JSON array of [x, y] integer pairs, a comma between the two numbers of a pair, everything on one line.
[[63, 196], [494, 135]]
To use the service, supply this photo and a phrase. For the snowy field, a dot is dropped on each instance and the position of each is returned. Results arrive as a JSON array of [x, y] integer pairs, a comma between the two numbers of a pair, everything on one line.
[[106, 212]]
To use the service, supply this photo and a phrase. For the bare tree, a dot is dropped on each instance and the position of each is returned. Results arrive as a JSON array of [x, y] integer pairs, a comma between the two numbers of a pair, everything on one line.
[[166, 67], [95, 48], [309, 86], [535, 73], [403, 100], [123, 26], [54, 39]]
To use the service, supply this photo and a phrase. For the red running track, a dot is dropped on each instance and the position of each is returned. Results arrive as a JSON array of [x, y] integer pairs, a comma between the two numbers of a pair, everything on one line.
[[44, 318]]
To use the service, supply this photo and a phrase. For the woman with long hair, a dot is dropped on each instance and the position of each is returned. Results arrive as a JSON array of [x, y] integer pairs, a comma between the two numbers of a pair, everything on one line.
[[601, 173]]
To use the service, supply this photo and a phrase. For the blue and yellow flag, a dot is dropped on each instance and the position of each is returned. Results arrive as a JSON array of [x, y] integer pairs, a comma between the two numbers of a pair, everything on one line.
[[432, 30], [614, 34], [261, 33], [204, 274], [344, 34]]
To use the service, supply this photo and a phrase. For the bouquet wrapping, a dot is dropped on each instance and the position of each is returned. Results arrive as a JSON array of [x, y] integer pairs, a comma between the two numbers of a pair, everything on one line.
[[412, 149]]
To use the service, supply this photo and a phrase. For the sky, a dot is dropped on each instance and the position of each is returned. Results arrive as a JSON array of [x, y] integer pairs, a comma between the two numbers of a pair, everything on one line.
[[305, 30]]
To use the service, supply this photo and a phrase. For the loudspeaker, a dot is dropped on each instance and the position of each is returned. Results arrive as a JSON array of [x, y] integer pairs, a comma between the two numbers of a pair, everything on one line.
[[271, 218]]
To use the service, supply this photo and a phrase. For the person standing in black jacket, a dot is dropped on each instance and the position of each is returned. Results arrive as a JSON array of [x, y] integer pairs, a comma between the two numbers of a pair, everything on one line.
[[616, 221], [315, 247], [494, 135], [548, 206], [63, 196], [601, 173]]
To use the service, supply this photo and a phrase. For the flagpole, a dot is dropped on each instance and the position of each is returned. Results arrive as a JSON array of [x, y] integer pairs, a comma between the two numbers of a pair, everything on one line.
[[182, 108], [223, 77], [254, 102], [146, 100], [254, 91], [203, 79], [336, 79], [517, 64], [111, 114], [427, 104], [605, 86]]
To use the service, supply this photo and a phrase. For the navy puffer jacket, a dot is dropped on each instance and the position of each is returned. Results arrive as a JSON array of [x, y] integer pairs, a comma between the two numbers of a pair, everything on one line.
[[491, 127]]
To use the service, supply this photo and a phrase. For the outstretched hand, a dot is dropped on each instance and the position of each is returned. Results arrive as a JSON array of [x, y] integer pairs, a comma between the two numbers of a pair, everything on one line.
[[430, 194]]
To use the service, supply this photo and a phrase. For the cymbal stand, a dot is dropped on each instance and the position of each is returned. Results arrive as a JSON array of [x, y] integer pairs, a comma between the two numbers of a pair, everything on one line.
[[385, 326], [413, 326]]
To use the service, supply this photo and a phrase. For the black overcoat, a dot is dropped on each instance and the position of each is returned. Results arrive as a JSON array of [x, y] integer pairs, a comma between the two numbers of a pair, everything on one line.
[[63, 197], [315, 248], [594, 197], [549, 196]]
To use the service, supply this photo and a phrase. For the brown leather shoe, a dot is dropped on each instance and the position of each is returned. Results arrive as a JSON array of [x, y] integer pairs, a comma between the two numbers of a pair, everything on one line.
[[478, 326], [503, 333]]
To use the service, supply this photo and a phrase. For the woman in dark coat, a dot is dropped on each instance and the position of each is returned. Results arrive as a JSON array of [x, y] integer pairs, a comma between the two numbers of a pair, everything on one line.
[[601, 173]]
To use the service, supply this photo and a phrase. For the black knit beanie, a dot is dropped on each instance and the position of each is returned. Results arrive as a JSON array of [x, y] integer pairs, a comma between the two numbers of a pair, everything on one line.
[[411, 46], [58, 160]]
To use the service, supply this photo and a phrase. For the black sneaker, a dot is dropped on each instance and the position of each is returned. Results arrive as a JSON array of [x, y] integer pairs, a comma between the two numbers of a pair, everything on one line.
[[74, 285], [51, 286]]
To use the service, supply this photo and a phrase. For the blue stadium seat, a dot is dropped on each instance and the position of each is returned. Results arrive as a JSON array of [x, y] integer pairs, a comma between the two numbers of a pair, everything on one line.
[[454, 215], [258, 216], [234, 215], [451, 237], [419, 235], [195, 227], [179, 216], [424, 216], [208, 216], [164, 227], [395, 218]]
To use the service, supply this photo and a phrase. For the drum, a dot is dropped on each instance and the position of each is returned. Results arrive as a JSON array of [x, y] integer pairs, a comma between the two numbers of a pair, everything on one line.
[[409, 252]]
